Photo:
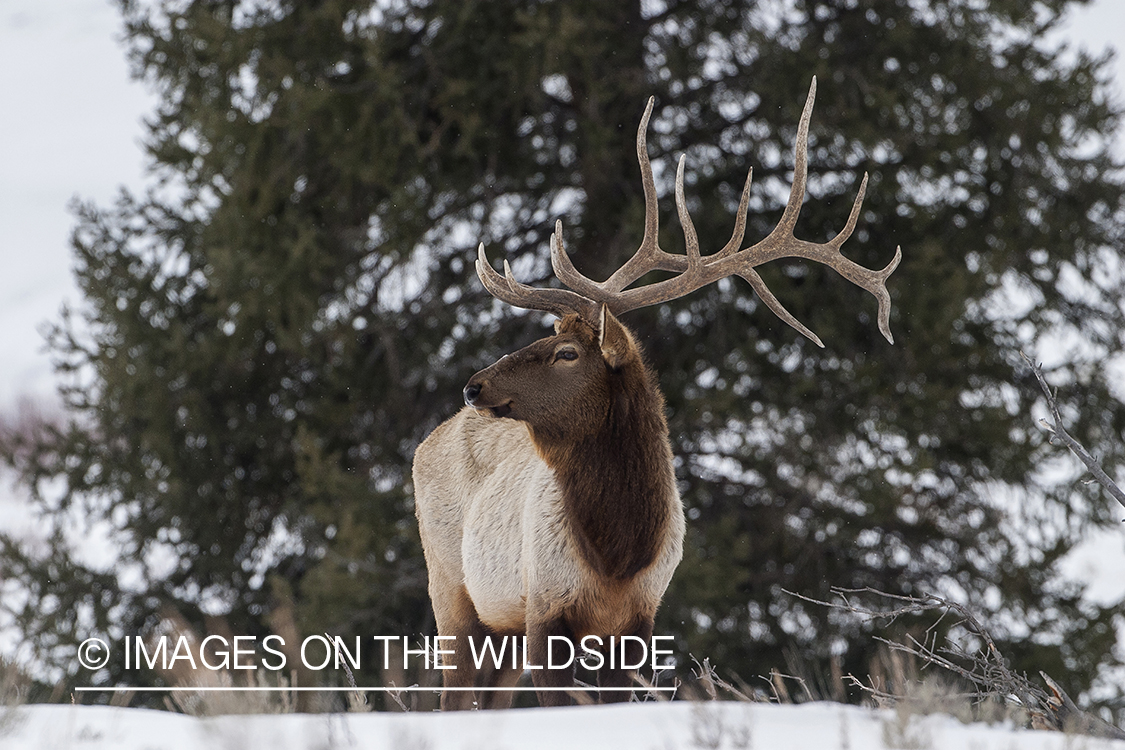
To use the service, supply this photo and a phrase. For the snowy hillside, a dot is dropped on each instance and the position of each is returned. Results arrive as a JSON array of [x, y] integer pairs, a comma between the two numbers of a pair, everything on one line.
[[644, 726]]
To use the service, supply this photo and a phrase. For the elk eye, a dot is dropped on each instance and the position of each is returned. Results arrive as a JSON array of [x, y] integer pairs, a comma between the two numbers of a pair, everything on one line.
[[567, 354]]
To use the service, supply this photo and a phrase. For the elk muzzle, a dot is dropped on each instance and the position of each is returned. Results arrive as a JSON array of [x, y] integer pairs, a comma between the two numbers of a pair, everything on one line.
[[477, 397]]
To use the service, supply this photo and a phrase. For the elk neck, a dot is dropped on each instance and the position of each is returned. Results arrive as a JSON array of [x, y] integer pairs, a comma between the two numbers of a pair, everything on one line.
[[616, 479]]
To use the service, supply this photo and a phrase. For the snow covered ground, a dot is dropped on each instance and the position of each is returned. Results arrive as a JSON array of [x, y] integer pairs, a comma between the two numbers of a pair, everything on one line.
[[644, 726]]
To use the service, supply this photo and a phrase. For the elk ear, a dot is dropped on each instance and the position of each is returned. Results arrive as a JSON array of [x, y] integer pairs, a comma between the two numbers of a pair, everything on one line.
[[615, 342]]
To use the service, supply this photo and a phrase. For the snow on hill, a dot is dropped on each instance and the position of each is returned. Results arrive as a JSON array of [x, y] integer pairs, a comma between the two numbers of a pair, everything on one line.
[[643, 726]]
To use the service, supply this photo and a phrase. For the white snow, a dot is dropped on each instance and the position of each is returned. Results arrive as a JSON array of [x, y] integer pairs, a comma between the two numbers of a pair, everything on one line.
[[644, 726]]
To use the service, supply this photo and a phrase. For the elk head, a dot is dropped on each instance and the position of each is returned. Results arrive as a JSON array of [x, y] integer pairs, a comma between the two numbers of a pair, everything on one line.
[[563, 383], [586, 298]]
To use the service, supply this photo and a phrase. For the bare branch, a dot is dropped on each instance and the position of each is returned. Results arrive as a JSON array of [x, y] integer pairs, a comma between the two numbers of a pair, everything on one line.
[[1056, 430], [706, 675], [985, 669]]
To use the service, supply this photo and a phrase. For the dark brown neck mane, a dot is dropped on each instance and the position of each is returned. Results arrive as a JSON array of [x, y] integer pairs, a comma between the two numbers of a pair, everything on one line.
[[616, 481]]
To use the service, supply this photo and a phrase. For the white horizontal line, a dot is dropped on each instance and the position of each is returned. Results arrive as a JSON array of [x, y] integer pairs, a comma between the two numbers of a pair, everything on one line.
[[412, 689]]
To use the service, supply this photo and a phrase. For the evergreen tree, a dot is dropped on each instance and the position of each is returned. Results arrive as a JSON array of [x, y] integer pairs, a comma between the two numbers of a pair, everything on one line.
[[268, 334]]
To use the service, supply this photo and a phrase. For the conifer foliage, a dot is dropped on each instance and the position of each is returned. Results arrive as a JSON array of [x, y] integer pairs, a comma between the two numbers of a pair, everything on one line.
[[268, 333]]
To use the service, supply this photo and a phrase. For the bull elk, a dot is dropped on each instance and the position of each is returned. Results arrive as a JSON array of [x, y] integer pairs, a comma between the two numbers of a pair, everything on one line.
[[548, 505]]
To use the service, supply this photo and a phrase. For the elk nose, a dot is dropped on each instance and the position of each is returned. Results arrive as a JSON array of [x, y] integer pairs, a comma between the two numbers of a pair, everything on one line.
[[472, 392]]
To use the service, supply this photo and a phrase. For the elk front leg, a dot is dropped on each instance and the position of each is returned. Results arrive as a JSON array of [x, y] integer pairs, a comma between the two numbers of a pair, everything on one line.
[[631, 652], [457, 617], [539, 640]]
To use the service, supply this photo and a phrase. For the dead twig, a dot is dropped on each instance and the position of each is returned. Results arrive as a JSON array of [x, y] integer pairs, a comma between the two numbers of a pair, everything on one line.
[[985, 668], [781, 691], [651, 686], [706, 675], [396, 696], [1056, 430]]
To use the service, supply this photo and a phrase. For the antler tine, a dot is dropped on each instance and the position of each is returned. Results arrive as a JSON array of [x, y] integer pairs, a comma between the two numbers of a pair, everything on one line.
[[649, 256], [739, 222], [750, 275], [871, 281], [800, 169], [758, 284], [690, 238], [853, 217], [880, 292], [506, 289], [565, 271], [648, 184]]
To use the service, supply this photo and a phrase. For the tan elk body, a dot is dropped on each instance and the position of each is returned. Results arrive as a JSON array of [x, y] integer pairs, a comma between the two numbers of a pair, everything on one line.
[[548, 506]]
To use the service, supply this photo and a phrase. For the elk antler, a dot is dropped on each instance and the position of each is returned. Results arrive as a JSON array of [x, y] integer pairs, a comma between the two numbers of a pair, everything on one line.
[[586, 296]]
